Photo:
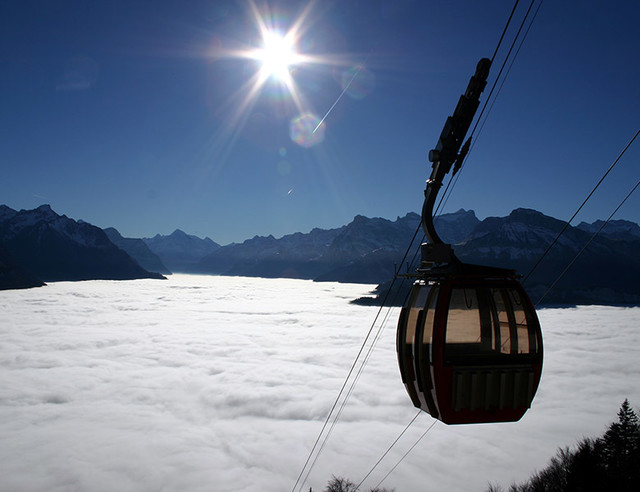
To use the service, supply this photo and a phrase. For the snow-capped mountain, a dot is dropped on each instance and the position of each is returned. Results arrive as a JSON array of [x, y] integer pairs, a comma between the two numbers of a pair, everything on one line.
[[522, 235], [456, 227], [615, 229], [295, 255], [606, 272], [54, 247], [365, 250], [178, 251], [369, 249]]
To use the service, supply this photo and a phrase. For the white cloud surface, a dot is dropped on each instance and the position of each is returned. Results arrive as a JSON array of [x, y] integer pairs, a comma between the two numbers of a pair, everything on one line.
[[222, 384]]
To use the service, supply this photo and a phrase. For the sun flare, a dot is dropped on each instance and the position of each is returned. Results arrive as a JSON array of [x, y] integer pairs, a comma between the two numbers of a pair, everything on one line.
[[277, 54], [273, 49]]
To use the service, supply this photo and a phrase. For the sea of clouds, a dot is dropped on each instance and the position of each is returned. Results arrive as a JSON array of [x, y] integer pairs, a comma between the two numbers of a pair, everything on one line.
[[202, 383]]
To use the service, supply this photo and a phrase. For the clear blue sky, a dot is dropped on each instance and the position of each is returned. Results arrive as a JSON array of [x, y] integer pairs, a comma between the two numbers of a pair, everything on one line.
[[138, 115]]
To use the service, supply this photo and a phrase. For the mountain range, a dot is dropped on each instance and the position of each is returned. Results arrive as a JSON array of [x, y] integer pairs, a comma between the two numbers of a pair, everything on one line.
[[180, 250], [40, 246], [138, 250], [607, 271], [367, 250]]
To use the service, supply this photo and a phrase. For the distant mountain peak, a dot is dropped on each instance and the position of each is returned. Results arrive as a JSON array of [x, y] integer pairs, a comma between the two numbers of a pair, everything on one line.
[[6, 213], [461, 211], [109, 230], [615, 229], [360, 219], [179, 250], [525, 212], [45, 208], [409, 216], [138, 250], [181, 235], [46, 212], [457, 215]]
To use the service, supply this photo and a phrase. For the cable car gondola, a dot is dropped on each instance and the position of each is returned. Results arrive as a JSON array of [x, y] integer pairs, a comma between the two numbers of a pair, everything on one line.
[[469, 341]]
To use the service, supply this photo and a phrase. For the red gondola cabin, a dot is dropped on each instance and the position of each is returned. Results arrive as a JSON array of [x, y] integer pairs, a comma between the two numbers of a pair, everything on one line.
[[470, 348]]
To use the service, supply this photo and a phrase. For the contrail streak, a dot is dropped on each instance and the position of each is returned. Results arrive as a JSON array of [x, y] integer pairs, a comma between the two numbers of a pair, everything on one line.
[[338, 99]]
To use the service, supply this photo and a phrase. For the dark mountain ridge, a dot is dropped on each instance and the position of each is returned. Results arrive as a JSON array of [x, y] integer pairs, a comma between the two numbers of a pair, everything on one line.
[[179, 250], [367, 250], [292, 256], [363, 251], [606, 272], [138, 250], [54, 247]]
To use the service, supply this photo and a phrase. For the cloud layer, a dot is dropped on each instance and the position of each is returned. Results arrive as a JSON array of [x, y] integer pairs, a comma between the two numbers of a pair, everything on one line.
[[223, 383]]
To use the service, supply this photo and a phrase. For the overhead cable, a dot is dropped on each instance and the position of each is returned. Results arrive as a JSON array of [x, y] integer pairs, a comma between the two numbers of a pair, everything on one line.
[[472, 132], [595, 234], [454, 179], [364, 343], [389, 448], [406, 454], [566, 225], [504, 31], [344, 385]]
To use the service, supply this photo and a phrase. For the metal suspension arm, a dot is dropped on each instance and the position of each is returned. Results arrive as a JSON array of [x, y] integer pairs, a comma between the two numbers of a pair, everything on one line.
[[449, 149]]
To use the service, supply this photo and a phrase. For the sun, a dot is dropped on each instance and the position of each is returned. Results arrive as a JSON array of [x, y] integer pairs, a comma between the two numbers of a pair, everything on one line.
[[277, 55], [273, 49]]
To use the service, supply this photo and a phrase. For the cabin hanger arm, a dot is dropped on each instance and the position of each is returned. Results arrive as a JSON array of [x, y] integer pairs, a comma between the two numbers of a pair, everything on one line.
[[449, 150]]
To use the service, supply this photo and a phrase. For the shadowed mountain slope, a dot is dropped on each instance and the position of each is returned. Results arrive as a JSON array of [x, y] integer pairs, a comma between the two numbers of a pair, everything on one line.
[[13, 276], [138, 250], [54, 247]]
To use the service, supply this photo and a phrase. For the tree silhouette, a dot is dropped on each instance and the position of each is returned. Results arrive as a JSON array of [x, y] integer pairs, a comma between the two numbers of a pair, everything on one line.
[[340, 484], [611, 462], [586, 471], [622, 450]]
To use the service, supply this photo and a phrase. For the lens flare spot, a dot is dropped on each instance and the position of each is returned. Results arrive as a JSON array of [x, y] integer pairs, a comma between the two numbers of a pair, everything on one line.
[[306, 130], [357, 82]]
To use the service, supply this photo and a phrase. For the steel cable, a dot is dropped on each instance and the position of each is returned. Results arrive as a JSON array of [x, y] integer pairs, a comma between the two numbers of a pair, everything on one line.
[[566, 225], [472, 132], [384, 301], [588, 243], [344, 385]]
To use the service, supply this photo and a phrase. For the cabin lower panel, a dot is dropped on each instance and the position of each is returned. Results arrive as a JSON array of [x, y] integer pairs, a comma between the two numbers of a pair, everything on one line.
[[481, 394]]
